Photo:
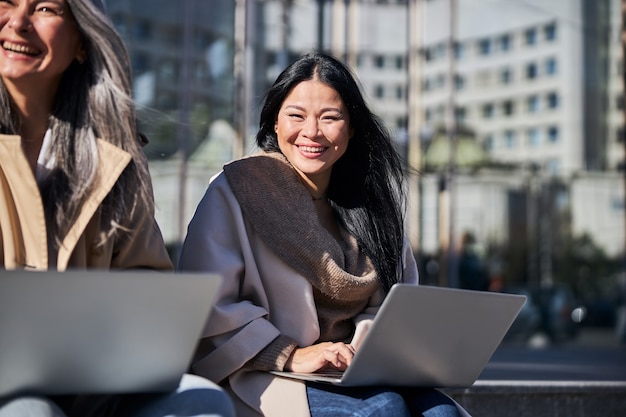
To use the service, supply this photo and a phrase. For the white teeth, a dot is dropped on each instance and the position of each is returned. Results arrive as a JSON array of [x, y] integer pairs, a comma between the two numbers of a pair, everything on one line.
[[312, 149], [22, 49]]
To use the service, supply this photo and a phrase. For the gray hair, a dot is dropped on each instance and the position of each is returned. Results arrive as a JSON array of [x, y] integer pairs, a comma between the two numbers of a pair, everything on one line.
[[94, 100]]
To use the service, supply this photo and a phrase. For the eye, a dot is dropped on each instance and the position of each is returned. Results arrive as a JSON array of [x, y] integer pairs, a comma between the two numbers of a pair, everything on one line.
[[332, 117], [49, 10]]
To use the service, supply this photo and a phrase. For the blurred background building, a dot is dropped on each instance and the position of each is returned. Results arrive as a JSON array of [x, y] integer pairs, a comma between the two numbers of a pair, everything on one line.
[[512, 112]]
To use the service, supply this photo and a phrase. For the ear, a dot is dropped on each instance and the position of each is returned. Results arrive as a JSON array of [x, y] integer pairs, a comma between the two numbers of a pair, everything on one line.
[[81, 55]]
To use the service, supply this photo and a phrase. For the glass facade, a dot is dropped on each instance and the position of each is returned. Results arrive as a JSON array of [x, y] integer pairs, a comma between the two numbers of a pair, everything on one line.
[[182, 61]]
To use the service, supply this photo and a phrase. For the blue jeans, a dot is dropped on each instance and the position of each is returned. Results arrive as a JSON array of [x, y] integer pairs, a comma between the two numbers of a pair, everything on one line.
[[332, 401], [195, 397]]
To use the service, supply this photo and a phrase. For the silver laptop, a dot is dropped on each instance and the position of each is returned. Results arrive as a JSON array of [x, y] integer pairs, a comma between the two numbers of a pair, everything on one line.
[[425, 336], [99, 332]]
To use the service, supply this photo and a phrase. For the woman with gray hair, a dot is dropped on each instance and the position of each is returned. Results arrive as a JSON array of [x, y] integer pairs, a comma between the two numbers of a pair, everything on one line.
[[75, 190]]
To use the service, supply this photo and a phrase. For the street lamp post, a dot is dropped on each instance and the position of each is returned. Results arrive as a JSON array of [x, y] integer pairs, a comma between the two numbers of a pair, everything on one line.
[[450, 264], [320, 25], [184, 114], [416, 126], [624, 111]]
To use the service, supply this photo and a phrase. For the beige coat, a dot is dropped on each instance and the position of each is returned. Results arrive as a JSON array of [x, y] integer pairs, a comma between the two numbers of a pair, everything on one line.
[[261, 298], [23, 239]]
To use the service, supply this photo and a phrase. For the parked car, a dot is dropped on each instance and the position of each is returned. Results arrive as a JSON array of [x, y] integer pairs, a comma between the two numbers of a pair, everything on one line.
[[551, 315], [527, 321]]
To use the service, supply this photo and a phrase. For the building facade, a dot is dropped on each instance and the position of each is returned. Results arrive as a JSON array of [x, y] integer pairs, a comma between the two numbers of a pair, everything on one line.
[[539, 84]]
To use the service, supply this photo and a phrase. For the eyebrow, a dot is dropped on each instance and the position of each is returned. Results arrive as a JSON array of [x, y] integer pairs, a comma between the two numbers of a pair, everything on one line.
[[295, 106]]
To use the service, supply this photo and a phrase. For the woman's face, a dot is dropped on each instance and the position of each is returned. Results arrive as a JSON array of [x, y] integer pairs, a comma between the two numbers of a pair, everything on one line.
[[39, 40], [313, 130]]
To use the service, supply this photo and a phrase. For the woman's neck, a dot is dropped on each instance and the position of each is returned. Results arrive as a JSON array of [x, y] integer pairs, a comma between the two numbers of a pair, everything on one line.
[[34, 107], [33, 101], [317, 185]]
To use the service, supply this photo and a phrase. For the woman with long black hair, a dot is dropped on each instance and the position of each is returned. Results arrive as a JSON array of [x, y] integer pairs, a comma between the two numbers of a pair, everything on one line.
[[309, 236]]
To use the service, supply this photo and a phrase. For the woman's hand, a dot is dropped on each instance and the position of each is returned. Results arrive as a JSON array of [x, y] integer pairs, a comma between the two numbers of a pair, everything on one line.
[[323, 355]]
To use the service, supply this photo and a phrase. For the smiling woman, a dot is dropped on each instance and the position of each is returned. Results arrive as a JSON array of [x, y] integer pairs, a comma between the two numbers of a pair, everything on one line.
[[39, 42], [309, 237], [75, 191]]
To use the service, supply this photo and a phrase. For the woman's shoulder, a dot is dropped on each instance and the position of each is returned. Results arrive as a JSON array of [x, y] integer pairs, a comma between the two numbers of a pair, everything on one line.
[[218, 191], [257, 160]]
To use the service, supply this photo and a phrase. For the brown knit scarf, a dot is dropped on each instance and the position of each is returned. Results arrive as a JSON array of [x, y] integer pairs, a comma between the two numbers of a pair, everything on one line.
[[280, 209]]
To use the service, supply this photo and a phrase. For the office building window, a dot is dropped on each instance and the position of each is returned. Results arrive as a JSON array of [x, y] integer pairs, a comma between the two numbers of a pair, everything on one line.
[[140, 62], [201, 72], [440, 81], [142, 29], [459, 50], [530, 36], [459, 82], [553, 100], [379, 61], [531, 71], [168, 71], [427, 54], [484, 46], [534, 137], [509, 139], [400, 92], [460, 114], [440, 51], [379, 91], [532, 104], [506, 76], [619, 102], [551, 67], [487, 110], [553, 134], [400, 62], [505, 42], [202, 40], [488, 142], [441, 111], [359, 60], [508, 108], [550, 32]]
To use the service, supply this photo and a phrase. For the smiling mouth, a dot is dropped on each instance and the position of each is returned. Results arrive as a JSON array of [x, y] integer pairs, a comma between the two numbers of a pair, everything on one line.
[[312, 149], [20, 49]]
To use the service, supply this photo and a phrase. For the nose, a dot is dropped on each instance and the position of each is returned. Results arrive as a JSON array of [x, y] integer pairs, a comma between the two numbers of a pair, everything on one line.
[[18, 19], [311, 127]]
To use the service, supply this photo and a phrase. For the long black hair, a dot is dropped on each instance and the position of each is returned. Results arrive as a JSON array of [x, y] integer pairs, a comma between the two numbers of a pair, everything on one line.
[[366, 187]]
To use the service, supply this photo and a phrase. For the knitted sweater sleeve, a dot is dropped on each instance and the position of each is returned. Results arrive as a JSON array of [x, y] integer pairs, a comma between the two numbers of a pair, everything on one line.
[[274, 356]]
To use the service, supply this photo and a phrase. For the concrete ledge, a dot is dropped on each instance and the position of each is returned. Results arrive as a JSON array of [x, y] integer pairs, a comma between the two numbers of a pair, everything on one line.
[[543, 398]]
